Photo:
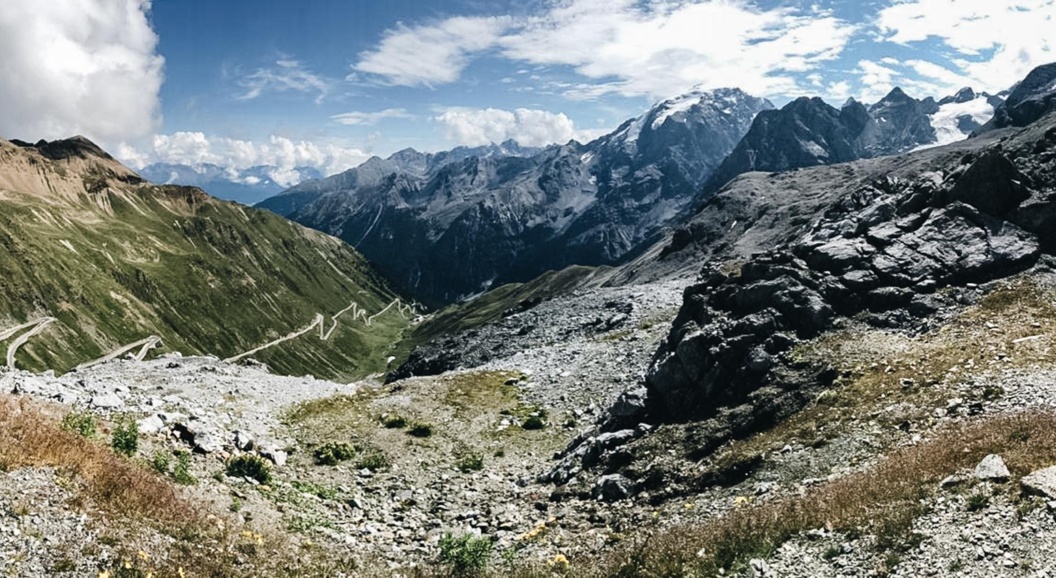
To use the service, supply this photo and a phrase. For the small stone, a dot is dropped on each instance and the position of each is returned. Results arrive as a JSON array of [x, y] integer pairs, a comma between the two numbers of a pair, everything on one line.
[[276, 456], [992, 468], [243, 441]]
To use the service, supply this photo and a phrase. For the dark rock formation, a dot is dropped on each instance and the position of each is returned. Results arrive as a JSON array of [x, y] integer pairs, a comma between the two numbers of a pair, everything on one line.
[[1031, 99]]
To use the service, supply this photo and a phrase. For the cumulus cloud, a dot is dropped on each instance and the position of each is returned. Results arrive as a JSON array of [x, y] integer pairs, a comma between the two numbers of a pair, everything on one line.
[[432, 54], [88, 67], [994, 44], [287, 75], [477, 127], [630, 47], [369, 118], [283, 155]]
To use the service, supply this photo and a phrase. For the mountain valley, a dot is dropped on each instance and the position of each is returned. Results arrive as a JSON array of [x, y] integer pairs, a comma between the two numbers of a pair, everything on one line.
[[645, 356]]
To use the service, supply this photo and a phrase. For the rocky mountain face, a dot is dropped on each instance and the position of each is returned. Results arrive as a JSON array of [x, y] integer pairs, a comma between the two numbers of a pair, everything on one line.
[[809, 132], [1029, 100], [883, 242], [454, 224], [248, 186], [97, 261]]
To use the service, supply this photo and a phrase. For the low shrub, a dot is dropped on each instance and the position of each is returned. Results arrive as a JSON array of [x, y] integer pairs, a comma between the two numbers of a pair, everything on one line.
[[331, 453], [466, 554], [249, 466], [470, 462], [125, 439], [420, 430], [80, 422], [393, 421], [373, 461]]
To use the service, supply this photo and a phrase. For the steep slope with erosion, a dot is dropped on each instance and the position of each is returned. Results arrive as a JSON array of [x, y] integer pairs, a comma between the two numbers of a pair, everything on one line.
[[115, 259]]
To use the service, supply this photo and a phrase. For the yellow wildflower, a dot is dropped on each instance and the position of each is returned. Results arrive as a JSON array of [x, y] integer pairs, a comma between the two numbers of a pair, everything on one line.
[[560, 559]]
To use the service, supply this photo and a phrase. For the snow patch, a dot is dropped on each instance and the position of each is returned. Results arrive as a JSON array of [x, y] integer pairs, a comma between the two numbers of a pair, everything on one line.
[[676, 105], [945, 121]]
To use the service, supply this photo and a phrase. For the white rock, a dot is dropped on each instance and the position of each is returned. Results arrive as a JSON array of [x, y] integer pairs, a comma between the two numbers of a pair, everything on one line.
[[992, 468], [1042, 482], [150, 425], [107, 401]]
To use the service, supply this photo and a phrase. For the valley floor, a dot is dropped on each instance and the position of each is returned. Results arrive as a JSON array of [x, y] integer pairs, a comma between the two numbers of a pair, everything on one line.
[[874, 478]]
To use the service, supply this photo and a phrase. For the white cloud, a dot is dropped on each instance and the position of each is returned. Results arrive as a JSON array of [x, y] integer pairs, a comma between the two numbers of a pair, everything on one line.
[[996, 43], [288, 75], [88, 67], [282, 154], [631, 47], [476, 127], [369, 118], [432, 54]]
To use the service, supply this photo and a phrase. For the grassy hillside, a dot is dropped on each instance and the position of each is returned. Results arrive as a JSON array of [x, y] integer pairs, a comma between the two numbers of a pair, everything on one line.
[[115, 260]]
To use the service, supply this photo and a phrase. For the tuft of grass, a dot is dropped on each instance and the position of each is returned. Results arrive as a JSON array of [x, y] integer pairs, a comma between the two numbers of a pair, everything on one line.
[[181, 471], [393, 421], [533, 423], [160, 462], [333, 453], [125, 438], [978, 502], [470, 462], [466, 555], [374, 461], [420, 430], [80, 422], [249, 466]]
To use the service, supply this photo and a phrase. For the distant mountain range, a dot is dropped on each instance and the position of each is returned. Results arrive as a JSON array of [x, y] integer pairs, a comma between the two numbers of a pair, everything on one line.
[[450, 225], [249, 186]]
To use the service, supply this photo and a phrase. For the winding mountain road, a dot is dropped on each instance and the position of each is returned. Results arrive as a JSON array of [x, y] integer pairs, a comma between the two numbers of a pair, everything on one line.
[[34, 327], [145, 346], [320, 322]]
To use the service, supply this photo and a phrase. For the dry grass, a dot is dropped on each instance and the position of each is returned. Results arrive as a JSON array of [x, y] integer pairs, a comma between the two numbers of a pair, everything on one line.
[[33, 438], [136, 505], [882, 501]]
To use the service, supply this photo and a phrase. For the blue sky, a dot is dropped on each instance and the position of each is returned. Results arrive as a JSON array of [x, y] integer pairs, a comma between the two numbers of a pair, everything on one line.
[[326, 83]]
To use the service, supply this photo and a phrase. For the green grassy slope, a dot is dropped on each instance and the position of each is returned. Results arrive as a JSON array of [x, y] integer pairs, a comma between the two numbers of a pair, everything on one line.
[[116, 260]]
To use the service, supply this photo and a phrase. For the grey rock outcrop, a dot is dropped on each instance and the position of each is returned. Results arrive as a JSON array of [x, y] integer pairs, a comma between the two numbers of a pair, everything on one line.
[[1041, 482], [1031, 99]]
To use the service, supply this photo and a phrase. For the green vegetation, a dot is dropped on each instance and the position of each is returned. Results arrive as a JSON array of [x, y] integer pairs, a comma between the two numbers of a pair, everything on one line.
[[466, 555], [125, 438], [249, 466], [80, 422], [533, 422], [331, 453], [469, 461], [181, 472], [206, 276], [420, 430], [374, 461], [393, 421], [160, 462], [978, 502]]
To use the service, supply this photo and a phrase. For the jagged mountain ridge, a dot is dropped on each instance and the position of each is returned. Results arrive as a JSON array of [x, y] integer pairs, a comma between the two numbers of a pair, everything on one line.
[[458, 228], [809, 132], [115, 259]]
